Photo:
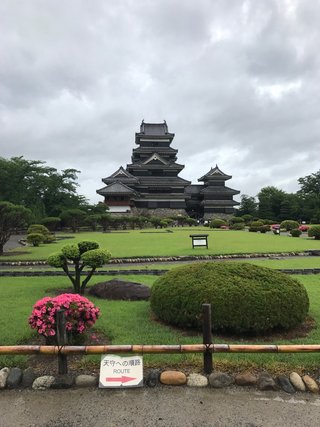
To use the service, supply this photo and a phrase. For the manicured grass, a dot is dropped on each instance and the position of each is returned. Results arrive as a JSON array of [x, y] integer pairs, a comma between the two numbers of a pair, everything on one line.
[[131, 322], [150, 243], [288, 263]]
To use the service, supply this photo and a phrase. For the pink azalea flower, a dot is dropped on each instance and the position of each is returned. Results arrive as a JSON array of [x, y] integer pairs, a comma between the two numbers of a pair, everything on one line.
[[80, 314]]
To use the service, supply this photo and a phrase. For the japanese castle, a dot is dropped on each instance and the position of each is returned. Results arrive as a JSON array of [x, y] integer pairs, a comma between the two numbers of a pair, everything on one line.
[[150, 183]]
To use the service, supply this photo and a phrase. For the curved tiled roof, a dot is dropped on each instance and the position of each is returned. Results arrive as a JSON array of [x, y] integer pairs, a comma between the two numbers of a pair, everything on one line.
[[116, 188]]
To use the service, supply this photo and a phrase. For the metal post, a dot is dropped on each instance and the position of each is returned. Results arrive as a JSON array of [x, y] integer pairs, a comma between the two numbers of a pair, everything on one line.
[[207, 338], [61, 341]]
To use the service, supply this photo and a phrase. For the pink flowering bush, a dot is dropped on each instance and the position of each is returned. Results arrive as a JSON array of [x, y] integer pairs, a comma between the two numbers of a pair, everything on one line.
[[80, 314]]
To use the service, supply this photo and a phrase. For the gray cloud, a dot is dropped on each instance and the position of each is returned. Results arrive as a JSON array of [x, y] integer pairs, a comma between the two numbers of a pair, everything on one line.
[[237, 82]]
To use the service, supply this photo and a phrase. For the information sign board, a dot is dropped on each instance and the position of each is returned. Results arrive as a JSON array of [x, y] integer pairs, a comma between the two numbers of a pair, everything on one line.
[[120, 371], [199, 240]]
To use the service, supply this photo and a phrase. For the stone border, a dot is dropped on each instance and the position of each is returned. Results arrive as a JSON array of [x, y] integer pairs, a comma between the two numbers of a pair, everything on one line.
[[137, 260], [16, 378], [62, 273], [153, 272]]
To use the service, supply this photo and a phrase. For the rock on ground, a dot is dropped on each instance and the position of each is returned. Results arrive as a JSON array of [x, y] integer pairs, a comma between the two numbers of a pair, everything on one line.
[[4, 373], [120, 290], [310, 384], [153, 378], [285, 384], [28, 377], [246, 379], [197, 380], [297, 382], [266, 382], [173, 378], [220, 379], [14, 378], [43, 383]]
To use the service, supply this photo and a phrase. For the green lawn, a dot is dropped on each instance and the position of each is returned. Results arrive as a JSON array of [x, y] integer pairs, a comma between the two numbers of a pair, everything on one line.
[[161, 243], [125, 322]]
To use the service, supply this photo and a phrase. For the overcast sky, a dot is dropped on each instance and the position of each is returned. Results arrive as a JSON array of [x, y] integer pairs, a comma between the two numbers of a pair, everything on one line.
[[237, 82]]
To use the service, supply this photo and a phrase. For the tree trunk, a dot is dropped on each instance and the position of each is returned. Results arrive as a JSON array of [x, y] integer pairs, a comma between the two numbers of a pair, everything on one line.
[[77, 277]]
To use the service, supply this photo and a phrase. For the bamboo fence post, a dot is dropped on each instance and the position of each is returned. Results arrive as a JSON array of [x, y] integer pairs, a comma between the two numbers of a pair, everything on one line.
[[61, 341], [207, 338]]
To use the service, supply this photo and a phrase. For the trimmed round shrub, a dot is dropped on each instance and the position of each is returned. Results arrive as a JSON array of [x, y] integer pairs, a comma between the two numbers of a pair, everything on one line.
[[217, 223], [41, 229], [255, 226], [38, 228], [295, 232], [236, 220], [247, 218], [244, 298], [314, 231], [265, 228], [237, 226], [289, 224]]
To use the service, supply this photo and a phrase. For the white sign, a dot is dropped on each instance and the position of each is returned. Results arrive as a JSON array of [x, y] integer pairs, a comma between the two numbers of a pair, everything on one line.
[[199, 242], [118, 371]]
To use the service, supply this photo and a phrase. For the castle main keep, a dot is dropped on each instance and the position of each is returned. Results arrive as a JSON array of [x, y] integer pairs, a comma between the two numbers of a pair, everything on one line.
[[150, 183]]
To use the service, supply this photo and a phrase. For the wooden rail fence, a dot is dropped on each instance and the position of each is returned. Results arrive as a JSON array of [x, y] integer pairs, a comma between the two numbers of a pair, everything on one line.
[[207, 348]]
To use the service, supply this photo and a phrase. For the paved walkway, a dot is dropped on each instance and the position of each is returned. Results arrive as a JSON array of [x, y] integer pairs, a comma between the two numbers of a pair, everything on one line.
[[159, 407], [13, 242]]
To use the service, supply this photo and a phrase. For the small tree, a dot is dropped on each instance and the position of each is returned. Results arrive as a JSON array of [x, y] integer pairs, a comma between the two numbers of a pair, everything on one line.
[[81, 255], [35, 239], [51, 222], [191, 221], [11, 217], [93, 221], [105, 221], [73, 218]]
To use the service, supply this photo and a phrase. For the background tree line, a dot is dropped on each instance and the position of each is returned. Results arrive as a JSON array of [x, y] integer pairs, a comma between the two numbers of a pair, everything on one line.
[[52, 197], [277, 205]]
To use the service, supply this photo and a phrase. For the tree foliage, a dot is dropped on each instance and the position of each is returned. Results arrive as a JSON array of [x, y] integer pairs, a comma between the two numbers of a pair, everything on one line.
[[248, 206], [81, 255], [73, 218], [310, 196], [11, 217], [41, 188]]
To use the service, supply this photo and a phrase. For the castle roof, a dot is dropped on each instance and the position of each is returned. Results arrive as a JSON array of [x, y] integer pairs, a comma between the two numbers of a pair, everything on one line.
[[218, 190], [116, 188], [154, 131], [215, 174], [154, 128], [121, 175]]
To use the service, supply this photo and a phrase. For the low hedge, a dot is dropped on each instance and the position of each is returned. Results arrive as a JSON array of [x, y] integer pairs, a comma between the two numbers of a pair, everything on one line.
[[314, 231], [244, 298]]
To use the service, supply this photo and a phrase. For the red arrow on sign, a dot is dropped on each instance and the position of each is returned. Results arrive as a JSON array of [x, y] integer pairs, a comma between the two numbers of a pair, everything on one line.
[[121, 379]]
